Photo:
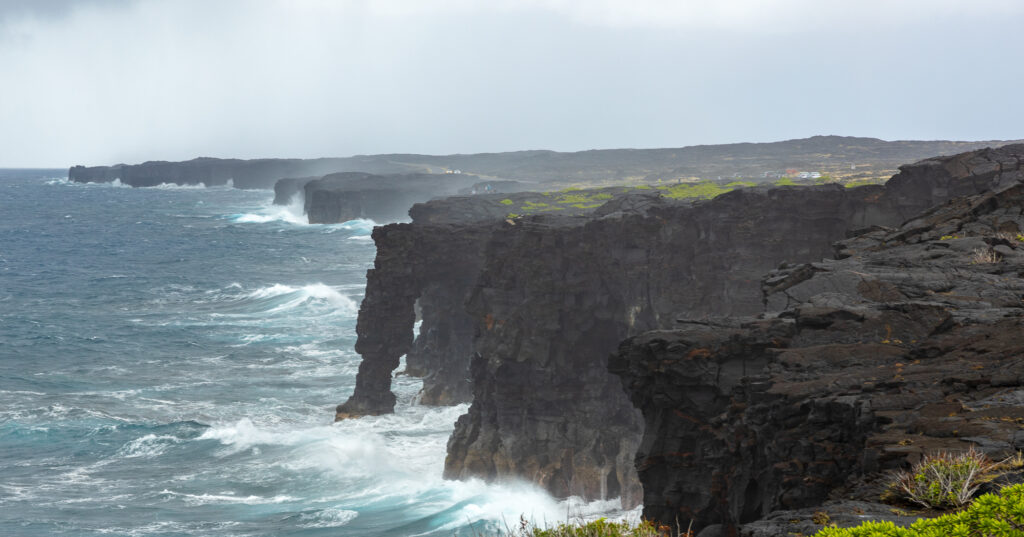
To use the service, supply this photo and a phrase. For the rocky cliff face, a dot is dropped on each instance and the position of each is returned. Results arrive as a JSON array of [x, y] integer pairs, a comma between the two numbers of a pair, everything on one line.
[[259, 173], [554, 296], [286, 190], [433, 262], [346, 196], [909, 341]]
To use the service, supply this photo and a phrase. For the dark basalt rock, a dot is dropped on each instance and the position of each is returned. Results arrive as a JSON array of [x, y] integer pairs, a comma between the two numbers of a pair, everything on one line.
[[557, 296], [432, 262], [347, 196], [286, 190], [434, 266], [260, 173], [553, 296], [498, 187], [911, 342]]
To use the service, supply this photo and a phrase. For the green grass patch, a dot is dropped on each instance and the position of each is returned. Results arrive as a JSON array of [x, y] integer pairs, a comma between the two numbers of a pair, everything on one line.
[[597, 528], [704, 190], [863, 182], [573, 198], [738, 184], [506, 201], [785, 181]]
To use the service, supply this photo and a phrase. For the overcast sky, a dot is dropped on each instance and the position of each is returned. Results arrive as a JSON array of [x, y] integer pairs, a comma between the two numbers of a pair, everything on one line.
[[104, 81]]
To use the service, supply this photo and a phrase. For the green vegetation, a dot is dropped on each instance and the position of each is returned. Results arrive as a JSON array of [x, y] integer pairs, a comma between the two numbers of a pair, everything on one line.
[[947, 237], [737, 184], [991, 515], [703, 190], [863, 182], [506, 201], [943, 480], [569, 197], [572, 198], [597, 528], [785, 181]]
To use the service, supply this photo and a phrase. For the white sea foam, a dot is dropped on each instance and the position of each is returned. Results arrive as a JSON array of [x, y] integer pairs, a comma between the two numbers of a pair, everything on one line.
[[228, 497], [293, 297], [327, 518], [360, 227], [399, 458], [148, 446], [176, 527], [293, 213], [64, 181], [175, 186]]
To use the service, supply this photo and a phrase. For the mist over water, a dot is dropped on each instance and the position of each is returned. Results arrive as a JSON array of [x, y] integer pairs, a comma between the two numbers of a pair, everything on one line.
[[169, 363]]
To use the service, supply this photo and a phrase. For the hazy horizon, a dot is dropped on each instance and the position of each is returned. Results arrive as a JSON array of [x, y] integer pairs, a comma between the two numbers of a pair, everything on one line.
[[99, 82]]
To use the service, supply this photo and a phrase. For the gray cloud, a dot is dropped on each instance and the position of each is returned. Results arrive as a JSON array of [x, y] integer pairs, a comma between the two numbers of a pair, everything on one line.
[[102, 83], [49, 9]]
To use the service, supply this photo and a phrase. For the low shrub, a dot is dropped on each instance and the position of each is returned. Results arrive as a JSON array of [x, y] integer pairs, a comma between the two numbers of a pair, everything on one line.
[[596, 528], [982, 256], [943, 480], [991, 515]]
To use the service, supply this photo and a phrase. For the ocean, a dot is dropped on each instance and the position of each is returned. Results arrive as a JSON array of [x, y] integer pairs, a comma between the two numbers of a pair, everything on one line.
[[170, 358]]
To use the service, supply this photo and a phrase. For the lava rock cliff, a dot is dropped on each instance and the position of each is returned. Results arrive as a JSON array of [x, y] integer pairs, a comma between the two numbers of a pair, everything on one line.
[[910, 340], [547, 299]]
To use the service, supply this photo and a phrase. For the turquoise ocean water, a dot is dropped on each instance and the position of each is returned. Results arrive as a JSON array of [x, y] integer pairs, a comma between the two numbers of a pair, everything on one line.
[[169, 362]]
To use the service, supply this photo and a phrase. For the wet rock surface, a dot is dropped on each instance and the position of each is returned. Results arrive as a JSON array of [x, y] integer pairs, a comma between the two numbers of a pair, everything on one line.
[[911, 341], [549, 298]]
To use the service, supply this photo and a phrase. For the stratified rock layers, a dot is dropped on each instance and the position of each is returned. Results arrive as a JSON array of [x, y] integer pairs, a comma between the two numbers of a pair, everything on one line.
[[555, 299], [911, 341]]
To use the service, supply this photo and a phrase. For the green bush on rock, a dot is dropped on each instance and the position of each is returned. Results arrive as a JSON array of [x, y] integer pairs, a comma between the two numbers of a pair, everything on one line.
[[943, 480], [596, 528], [991, 515]]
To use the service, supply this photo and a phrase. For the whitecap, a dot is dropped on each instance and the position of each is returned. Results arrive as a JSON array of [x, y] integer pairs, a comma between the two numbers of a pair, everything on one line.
[[175, 186], [293, 297], [293, 213], [228, 497], [148, 446], [327, 518], [357, 228]]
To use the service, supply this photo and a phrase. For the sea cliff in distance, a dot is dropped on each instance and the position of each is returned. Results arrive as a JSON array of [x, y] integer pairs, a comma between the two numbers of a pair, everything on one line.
[[850, 158]]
